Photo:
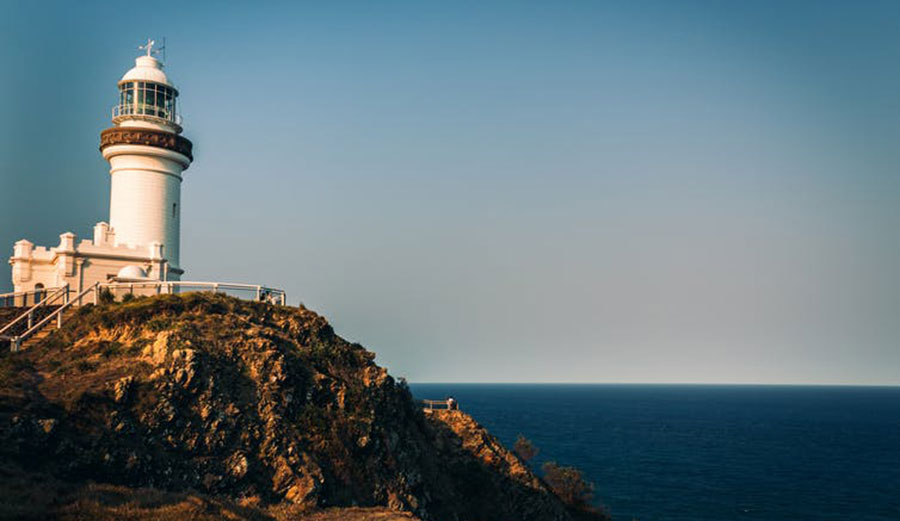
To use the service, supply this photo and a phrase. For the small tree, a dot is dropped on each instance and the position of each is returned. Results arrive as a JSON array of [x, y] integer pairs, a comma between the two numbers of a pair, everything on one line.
[[106, 296], [569, 485], [525, 449]]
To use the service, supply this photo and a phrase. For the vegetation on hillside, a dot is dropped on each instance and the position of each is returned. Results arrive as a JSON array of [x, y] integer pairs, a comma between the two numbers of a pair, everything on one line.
[[567, 483], [234, 405], [525, 449]]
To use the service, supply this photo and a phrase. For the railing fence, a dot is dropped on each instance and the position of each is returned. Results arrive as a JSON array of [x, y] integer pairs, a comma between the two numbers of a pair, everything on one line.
[[448, 404], [154, 287], [33, 318]]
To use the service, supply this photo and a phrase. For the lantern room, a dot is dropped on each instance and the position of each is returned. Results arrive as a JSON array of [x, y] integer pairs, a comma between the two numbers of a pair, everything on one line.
[[146, 95]]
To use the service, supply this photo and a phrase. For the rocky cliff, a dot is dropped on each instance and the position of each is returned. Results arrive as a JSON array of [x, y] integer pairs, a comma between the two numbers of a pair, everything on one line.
[[208, 405]]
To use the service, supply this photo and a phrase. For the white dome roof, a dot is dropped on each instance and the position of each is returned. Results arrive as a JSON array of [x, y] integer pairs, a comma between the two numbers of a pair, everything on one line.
[[147, 68], [131, 272]]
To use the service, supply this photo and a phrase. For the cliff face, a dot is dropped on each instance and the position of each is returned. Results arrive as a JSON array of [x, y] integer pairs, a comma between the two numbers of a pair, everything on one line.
[[257, 405]]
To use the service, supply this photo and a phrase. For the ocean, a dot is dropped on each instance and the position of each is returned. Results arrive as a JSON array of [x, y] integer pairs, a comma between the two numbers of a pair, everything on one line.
[[708, 452]]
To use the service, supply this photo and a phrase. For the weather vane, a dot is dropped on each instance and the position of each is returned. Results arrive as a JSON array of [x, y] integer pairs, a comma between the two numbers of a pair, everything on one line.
[[151, 51]]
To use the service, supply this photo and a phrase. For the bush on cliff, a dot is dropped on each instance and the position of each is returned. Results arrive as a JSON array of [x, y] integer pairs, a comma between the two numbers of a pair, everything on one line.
[[525, 449], [569, 485]]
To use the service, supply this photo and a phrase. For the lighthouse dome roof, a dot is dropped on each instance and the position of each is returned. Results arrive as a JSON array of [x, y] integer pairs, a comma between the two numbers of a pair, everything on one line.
[[131, 272], [147, 68]]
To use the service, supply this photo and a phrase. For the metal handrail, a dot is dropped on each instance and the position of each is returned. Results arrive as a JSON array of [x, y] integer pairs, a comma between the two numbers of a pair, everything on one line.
[[234, 285], [436, 405], [261, 291], [51, 296], [17, 340], [5, 297], [133, 110]]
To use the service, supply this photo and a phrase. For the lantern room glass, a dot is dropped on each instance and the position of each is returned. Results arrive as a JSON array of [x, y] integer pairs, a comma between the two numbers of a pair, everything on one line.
[[147, 99]]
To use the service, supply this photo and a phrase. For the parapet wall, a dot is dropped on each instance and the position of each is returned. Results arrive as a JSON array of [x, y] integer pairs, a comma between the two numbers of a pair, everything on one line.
[[83, 263]]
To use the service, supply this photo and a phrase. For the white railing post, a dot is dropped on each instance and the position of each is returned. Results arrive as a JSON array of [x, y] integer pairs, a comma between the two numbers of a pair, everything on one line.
[[30, 319]]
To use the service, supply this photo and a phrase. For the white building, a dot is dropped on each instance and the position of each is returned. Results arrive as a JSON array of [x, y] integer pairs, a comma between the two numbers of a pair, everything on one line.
[[147, 158]]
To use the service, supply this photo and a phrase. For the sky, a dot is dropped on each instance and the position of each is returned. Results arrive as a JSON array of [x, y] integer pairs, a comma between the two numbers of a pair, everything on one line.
[[507, 191]]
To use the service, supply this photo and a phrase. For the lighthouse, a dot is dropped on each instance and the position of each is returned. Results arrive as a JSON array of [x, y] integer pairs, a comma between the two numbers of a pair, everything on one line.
[[147, 158]]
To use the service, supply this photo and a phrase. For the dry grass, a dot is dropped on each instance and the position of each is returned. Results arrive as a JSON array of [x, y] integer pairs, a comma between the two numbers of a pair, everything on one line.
[[27, 497], [33, 497], [357, 514]]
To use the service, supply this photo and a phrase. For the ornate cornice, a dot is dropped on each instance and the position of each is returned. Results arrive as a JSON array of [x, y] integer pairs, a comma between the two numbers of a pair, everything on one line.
[[148, 137]]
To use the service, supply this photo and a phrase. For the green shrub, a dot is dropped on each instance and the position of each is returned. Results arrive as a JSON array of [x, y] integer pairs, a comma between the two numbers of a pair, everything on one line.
[[159, 323], [106, 296]]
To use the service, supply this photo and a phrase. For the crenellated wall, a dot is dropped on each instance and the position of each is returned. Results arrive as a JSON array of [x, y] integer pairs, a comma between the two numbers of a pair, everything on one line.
[[81, 264]]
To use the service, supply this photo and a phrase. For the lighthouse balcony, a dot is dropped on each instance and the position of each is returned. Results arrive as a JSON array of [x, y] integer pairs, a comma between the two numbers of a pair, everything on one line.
[[143, 112]]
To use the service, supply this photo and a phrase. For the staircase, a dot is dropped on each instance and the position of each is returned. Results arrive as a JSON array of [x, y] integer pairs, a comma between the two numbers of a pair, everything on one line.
[[42, 333], [9, 314], [38, 321], [16, 318], [25, 326]]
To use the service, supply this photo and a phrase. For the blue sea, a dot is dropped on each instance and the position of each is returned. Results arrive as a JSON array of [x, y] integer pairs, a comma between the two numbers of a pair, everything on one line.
[[708, 452]]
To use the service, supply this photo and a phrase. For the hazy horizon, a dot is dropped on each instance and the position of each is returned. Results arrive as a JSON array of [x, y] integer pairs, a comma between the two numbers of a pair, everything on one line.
[[591, 192], [710, 384]]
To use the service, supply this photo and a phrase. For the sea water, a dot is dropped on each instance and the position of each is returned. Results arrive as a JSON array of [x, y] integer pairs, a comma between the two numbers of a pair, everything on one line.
[[708, 452]]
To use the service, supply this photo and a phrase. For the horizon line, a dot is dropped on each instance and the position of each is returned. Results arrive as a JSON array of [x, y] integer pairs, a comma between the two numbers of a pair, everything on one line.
[[720, 384]]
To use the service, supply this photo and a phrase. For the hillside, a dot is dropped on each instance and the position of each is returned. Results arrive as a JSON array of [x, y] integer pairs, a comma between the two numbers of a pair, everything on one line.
[[205, 406]]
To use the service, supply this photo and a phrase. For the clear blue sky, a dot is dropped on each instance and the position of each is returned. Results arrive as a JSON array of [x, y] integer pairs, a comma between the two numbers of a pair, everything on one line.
[[478, 191]]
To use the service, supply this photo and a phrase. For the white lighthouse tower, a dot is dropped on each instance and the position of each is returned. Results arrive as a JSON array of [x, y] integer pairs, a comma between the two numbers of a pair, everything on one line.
[[137, 252], [147, 157]]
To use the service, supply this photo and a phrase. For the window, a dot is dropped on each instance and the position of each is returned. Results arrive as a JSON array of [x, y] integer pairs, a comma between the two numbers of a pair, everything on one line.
[[126, 98], [174, 210], [147, 98], [168, 103]]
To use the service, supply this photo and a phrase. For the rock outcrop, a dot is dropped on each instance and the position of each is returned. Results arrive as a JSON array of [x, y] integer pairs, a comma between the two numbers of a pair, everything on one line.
[[259, 407]]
